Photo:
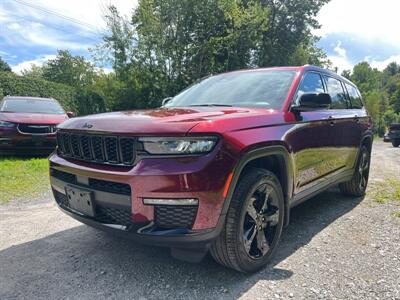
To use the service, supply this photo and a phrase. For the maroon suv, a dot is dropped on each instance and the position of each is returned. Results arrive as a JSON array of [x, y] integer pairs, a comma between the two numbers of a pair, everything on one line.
[[28, 125], [220, 165]]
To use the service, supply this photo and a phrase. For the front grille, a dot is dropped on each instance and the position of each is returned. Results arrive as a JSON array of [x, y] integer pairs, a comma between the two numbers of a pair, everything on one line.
[[111, 150], [36, 128], [104, 214], [169, 216]]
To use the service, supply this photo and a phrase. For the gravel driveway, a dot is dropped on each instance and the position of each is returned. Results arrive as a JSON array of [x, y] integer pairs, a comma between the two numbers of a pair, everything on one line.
[[335, 247]]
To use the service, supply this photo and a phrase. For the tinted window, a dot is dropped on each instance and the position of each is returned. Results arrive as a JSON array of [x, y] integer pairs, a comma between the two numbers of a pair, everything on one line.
[[354, 96], [31, 106], [335, 90], [311, 83], [253, 88]]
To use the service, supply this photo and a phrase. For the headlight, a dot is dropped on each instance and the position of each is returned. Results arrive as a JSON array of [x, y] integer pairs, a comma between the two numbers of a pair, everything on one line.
[[6, 124], [177, 145]]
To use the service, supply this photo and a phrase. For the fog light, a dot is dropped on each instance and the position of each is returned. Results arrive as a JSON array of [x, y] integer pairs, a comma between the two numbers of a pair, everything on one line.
[[190, 201]]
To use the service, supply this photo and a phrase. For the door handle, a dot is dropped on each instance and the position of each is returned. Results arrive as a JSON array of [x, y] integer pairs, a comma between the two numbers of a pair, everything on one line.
[[331, 120], [356, 118]]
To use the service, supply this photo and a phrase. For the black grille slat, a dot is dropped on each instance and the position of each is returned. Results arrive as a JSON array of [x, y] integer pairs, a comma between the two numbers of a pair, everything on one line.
[[67, 177], [127, 150], [111, 150], [97, 146], [111, 146], [169, 216], [86, 147], [109, 186], [75, 146], [67, 144]]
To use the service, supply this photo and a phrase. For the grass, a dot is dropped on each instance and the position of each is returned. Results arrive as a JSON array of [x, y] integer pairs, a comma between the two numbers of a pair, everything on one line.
[[387, 191], [23, 178]]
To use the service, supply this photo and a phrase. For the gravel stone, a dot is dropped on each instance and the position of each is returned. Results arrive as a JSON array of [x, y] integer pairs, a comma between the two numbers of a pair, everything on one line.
[[334, 248]]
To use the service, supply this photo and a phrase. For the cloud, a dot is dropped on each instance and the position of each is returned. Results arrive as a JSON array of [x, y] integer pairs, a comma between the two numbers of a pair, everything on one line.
[[27, 65], [382, 64], [340, 59], [365, 19]]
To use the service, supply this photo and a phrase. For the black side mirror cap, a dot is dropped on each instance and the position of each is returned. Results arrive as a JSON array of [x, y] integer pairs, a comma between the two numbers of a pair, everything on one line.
[[313, 101]]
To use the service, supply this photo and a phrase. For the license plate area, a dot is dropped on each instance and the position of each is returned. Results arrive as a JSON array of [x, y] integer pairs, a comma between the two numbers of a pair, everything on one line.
[[80, 200]]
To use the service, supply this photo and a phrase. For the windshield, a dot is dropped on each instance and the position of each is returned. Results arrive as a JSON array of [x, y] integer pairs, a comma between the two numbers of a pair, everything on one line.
[[267, 88], [32, 106]]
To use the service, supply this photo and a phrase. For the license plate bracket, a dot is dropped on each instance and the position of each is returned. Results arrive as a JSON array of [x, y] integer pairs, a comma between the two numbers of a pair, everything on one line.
[[80, 200]]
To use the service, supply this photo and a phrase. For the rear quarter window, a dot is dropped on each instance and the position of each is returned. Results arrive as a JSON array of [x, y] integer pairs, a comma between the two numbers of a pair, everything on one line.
[[355, 97]]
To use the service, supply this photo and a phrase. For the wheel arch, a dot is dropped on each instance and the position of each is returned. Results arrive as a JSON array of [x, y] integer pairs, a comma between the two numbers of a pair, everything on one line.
[[273, 158]]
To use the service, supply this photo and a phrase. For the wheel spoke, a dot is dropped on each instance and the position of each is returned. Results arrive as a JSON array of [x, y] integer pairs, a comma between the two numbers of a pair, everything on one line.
[[251, 210], [267, 192], [272, 216], [249, 236], [262, 244]]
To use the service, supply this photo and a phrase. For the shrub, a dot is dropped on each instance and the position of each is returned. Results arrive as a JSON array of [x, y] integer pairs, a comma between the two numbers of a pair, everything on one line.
[[15, 85]]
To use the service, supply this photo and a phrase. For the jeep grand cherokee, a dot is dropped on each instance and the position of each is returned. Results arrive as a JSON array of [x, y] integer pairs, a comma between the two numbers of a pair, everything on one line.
[[220, 165]]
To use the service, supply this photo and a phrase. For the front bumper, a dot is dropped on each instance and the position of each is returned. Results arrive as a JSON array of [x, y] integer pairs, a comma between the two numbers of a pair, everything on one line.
[[13, 142], [202, 178]]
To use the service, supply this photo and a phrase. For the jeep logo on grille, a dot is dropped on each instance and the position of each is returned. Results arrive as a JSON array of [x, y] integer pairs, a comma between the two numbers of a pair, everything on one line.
[[87, 125]]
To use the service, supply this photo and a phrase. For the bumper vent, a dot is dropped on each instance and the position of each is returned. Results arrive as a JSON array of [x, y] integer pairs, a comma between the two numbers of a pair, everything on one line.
[[169, 216], [95, 184], [112, 150], [104, 214]]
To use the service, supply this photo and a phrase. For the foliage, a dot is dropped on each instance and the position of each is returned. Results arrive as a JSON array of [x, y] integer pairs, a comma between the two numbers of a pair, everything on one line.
[[80, 100], [167, 45], [381, 92], [12, 84], [4, 67], [21, 178], [74, 71]]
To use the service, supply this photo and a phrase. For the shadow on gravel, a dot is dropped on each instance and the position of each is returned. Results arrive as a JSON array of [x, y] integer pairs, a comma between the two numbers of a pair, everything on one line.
[[85, 263]]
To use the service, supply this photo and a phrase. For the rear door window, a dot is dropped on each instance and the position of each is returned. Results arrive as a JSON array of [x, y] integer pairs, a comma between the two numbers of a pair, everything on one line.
[[335, 90], [354, 95]]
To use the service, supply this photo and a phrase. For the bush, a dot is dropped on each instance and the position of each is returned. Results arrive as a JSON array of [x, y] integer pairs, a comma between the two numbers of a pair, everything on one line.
[[81, 101], [15, 85]]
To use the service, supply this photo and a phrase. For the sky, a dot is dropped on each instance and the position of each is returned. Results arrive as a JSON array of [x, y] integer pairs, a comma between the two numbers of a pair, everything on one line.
[[31, 31]]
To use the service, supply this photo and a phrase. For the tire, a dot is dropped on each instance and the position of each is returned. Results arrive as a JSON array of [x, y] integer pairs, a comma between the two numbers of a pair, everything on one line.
[[241, 245], [396, 143], [358, 184]]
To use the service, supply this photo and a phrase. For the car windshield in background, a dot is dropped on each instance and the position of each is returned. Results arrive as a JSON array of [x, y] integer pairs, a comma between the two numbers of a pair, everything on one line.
[[32, 106], [267, 89]]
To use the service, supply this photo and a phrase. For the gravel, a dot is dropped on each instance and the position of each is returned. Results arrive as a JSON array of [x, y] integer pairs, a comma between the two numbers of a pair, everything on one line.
[[335, 247]]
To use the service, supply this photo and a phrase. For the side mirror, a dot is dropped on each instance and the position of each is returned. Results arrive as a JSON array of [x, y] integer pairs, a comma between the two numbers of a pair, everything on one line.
[[70, 114], [313, 101], [165, 101]]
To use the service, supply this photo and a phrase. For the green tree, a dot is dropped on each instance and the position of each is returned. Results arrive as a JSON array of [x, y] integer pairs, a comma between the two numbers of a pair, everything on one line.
[[68, 69], [167, 45], [4, 66]]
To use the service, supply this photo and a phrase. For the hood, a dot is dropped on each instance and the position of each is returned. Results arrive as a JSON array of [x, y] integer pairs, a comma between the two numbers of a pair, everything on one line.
[[33, 118], [163, 120]]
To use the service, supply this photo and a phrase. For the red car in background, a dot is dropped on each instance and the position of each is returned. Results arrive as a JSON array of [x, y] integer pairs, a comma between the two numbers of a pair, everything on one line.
[[28, 124]]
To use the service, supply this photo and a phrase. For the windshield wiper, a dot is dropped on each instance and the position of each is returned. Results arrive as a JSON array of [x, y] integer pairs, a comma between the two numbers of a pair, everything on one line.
[[227, 105]]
